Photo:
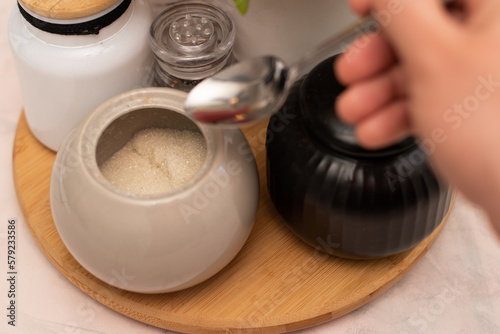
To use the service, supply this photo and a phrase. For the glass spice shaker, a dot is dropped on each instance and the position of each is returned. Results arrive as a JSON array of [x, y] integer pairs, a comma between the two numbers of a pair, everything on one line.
[[73, 55], [191, 41]]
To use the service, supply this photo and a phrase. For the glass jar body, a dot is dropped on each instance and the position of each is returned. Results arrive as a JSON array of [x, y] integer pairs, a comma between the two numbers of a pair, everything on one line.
[[63, 78], [163, 78]]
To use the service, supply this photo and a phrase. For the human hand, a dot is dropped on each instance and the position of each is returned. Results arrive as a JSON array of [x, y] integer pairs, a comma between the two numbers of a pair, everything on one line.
[[437, 77]]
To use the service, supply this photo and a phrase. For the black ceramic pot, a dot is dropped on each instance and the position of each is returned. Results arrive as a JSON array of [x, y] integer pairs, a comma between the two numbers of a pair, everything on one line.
[[339, 197]]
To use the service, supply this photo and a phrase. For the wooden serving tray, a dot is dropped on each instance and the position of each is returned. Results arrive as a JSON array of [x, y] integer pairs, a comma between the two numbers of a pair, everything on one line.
[[275, 284]]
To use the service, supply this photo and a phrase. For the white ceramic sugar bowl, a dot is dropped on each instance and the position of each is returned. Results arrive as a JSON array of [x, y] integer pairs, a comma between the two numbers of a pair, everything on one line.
[[72, 55], [164, 242]]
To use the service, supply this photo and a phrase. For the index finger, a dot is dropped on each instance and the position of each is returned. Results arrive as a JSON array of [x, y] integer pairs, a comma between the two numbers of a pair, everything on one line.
[[410, 25], [361, 7]]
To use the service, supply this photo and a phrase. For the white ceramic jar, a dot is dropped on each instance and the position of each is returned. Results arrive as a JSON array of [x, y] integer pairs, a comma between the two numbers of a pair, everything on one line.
[[163, 242], [70, 64]]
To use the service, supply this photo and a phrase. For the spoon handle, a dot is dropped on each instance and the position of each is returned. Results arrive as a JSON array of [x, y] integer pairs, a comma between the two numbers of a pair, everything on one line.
[[339, 42], [333, 45]]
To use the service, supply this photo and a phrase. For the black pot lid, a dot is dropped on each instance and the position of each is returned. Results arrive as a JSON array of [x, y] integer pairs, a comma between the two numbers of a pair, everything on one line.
[[318, 93]]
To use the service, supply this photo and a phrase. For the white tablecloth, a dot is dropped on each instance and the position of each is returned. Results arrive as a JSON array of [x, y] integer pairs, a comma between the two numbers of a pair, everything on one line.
[[455, 288]]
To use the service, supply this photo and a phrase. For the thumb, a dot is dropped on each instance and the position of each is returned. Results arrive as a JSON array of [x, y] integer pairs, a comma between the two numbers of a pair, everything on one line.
[[414, 26]]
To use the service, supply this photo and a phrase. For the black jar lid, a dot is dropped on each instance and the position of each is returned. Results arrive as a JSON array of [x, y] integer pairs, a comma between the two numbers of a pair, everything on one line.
[[317, 96]]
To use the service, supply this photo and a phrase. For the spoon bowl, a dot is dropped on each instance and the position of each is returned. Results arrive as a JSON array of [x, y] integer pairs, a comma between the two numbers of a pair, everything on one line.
[[243, 94]]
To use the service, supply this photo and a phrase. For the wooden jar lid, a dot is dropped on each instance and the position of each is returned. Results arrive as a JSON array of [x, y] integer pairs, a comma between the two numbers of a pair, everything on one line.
[[67, 9]]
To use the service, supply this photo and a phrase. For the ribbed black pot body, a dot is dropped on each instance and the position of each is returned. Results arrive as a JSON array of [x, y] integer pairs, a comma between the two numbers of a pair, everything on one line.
[[336, 196]]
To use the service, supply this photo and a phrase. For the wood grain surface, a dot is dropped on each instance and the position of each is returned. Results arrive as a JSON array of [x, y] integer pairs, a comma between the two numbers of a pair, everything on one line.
[[275, 284], [67, 9]]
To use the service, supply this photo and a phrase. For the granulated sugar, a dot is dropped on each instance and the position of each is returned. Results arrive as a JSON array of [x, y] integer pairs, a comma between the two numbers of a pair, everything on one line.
[[156, 161]]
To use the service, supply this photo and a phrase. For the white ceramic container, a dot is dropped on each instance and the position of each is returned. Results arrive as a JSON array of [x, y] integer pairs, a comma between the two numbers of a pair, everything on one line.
[[157, 243], [64, 77]]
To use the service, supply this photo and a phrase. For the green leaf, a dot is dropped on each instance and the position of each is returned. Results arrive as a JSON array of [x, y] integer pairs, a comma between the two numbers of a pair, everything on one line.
[[242, 6]]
